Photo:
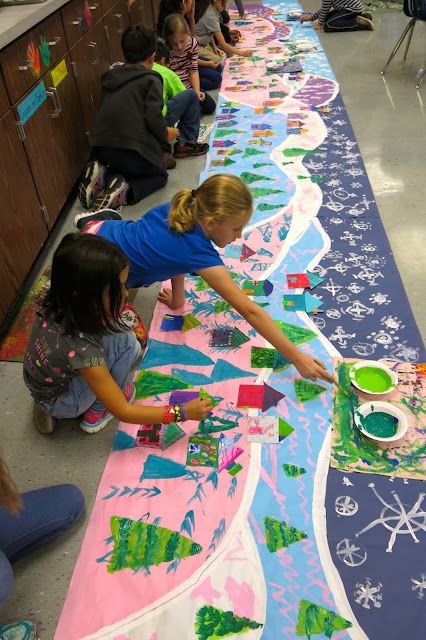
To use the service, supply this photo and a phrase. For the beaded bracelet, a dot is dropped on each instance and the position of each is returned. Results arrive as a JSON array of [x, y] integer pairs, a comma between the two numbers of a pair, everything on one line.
[[175, 413]]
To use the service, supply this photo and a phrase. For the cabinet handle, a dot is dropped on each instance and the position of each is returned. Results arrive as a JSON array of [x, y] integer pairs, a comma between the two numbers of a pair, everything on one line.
[[74, 69], [55, 113], [45, 213], [93, 7], [77, 23], [119, 17], [21, 131], [55, 41], [96, 58], [56, 99], [106, 31], [26, 67]]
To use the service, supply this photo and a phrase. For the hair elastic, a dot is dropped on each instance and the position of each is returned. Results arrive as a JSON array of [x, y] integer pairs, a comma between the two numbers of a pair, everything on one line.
[[194, 193]]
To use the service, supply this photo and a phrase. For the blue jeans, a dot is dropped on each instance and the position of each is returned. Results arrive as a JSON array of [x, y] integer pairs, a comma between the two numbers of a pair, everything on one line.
[[184, 109], [210, 79], [123, 353], [45, 514]]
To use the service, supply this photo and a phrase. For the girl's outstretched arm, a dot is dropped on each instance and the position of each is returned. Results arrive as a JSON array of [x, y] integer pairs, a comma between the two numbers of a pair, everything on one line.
[[109, 393], [174, 297], [220, 280]]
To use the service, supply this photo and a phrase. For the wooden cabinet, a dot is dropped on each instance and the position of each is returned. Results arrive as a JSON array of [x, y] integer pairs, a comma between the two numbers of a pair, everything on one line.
[[116, 22], [90, 59], [22, 228], [137, 12], [4, 102], [54, 140], [79, 16], [24, 61]]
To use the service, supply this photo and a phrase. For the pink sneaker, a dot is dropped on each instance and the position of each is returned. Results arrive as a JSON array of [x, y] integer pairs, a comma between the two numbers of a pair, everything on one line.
[[94, 421], [129, 392]]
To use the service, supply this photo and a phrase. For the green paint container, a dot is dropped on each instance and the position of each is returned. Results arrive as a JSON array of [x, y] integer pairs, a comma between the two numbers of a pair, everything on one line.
[[373, 377], [380, 424]]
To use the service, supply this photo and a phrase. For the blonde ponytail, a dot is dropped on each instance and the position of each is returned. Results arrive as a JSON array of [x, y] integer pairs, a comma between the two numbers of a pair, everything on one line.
[[183, 211], [9, 494], [220, 197]]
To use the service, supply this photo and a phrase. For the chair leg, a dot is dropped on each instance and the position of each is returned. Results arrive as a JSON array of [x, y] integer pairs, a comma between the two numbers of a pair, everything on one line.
[[410, 35], [409, 27]]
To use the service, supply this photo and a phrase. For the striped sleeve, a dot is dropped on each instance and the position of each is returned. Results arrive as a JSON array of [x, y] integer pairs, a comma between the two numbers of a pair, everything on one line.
[[193, 54]]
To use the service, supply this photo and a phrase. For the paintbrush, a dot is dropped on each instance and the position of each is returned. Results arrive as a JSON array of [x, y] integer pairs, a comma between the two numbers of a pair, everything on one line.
[[339, 387]]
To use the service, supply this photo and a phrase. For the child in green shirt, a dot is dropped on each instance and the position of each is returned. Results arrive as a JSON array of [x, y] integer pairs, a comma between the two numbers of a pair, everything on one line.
[[181, 106]]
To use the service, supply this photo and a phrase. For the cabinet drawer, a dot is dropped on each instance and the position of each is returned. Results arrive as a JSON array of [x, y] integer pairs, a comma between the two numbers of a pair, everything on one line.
[[116, 22], [4, 100], [27, 58], [106, 5], [78, 17]]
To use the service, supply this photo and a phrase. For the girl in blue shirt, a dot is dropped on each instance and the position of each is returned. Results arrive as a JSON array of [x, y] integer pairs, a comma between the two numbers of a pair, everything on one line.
[[174, 239]]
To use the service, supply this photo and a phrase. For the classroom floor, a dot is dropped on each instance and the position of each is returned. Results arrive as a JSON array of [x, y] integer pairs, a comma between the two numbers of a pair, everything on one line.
[[388, 117]]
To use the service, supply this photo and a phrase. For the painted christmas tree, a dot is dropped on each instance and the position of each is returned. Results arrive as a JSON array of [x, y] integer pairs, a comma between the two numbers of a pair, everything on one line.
[[280, 535], [140, 545], [314, 619], [248, 177], [212, 623], [292, 470], [306, 391], [214, 424], [295, 334], [152, 383]]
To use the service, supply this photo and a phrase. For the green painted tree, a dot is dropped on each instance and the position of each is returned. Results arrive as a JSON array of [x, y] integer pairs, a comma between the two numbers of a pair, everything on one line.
[[152, 383], [295, 334], [314, 619], [292, 470], [212, 623], [306, 391], [140, 545], [280, 535], [250, 177]]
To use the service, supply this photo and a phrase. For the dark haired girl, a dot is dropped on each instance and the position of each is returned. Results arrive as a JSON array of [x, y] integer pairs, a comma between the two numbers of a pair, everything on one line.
[[80, 354]]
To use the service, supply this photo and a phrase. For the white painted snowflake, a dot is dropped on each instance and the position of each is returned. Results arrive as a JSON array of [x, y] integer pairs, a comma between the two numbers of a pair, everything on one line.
[[381, 337], [355, 212], [351, 553], [340, 123], [360, 225], [354, 172], [346, 480], [380, 298], [419, 585], [405, 353], [355, 288], [334, 182], [358, 310], [364, 349], [333, 314], [334, 165], [366, 595], [336, 220], [392, 322], [369, 247], [356, 185], [331, 287], [345, 506], [341, 337], [398, 518]]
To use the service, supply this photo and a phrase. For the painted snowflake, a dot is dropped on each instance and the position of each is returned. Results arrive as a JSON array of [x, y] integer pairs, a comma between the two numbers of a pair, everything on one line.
[[368, 596]]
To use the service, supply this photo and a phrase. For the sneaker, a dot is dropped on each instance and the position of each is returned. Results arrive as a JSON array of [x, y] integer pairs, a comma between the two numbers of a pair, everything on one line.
[[113, 196], [189, 150], [129, 392], [367, 15], [23, 630], [43, 422], [169, 161], [92, 183], [366, 24], [82, 219], [94, 421]]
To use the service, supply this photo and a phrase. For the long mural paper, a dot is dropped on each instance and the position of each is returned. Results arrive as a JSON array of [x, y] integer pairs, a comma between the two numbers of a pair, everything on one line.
[[277, 544]]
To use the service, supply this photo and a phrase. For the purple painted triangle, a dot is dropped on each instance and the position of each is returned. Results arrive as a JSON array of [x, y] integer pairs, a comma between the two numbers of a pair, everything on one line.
[[271, 397]]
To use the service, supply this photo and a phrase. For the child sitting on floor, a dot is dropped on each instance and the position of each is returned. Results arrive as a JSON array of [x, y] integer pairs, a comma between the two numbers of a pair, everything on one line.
[[174, 239], [346, 15], [130, 131], [80, 354], [180, 106], [184, 58], [209, 35]]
